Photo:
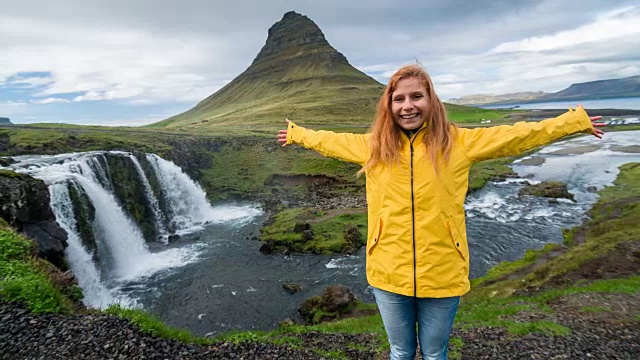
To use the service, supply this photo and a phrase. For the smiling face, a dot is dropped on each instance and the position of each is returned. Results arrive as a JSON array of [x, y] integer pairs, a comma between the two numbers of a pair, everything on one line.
[[409, 103]]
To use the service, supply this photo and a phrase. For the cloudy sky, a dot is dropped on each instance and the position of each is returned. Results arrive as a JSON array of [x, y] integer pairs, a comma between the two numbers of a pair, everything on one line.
[[133, 62]]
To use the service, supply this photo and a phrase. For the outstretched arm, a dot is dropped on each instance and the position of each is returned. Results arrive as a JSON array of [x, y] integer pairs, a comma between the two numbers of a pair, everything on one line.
[[499, 141], [343, 146]]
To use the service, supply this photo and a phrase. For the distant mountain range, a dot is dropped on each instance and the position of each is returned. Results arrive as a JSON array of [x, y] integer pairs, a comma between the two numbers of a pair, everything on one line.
[[601, 89]]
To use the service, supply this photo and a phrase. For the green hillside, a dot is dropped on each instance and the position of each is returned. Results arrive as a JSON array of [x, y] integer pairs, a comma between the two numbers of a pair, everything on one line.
[[300, 76]]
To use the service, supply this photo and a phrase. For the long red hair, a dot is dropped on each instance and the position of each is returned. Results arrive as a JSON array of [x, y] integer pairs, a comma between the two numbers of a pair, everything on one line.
[[387, 136]]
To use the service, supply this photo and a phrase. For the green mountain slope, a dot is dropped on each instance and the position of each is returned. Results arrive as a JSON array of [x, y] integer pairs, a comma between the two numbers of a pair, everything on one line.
[[297, 74], [300, 76]]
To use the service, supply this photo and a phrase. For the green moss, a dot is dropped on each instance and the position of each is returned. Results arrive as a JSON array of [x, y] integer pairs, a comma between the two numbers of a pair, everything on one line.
[[482, 172], [9, 173], [24, 278], [84, 213], [330, 232]]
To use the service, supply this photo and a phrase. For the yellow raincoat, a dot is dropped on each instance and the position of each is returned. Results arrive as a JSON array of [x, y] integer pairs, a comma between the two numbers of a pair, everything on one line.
[[417, 240]]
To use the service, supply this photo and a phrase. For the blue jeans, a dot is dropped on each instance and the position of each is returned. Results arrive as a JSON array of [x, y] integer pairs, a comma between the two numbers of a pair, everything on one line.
[[434, 317]]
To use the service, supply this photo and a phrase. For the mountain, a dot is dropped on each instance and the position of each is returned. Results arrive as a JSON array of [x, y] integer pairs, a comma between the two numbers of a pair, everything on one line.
[[600, 89], [481, 99], [625, 87], [5, 121], [297, 74]]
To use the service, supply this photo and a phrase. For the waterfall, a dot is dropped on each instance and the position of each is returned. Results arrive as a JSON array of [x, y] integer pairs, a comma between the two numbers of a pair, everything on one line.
[[80, 260], [123, 256], [153, 201], [187, 203]]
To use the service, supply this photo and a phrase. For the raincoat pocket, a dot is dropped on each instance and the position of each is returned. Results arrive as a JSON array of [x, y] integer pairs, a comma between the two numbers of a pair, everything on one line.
[[459, 241], [375, 236]]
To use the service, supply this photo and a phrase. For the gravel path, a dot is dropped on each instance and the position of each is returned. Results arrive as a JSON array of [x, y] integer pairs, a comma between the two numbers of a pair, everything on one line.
[[589, 340], [46, 336], [24, 335]]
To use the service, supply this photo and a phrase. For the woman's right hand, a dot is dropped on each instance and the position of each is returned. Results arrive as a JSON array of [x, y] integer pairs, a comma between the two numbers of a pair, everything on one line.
[[282, 134]]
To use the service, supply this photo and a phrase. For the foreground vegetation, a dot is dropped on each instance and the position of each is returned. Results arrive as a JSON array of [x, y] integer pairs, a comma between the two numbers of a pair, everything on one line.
[[499, 299]]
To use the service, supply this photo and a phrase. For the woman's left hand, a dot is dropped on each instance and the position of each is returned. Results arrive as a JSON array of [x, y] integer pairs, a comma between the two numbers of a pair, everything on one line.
[[594, 121]]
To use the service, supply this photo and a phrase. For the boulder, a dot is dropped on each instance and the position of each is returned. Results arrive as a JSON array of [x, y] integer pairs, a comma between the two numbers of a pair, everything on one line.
[[25, 205], [551, 189], [335, 301], [291, 288], [6, 161]]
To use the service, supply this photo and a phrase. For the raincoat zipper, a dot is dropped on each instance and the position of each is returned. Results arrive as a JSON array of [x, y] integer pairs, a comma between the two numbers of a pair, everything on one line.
[[413, 222]]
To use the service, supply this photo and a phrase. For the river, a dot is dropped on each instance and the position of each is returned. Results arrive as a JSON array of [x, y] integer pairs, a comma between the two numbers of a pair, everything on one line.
[[235, 287], [214, 279], [632, 103]]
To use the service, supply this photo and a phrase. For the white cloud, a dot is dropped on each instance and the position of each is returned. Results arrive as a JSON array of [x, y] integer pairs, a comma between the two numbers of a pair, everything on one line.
[[51, 100], [605, 48], [109, 64], [616, 24]]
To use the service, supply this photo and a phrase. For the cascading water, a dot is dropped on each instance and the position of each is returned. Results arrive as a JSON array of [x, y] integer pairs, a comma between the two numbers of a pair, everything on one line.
[[158, 217], [81, 261], [123, 255], [187, 203]]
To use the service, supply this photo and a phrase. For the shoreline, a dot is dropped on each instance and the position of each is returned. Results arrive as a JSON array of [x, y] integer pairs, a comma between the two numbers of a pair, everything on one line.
[[548, 113]]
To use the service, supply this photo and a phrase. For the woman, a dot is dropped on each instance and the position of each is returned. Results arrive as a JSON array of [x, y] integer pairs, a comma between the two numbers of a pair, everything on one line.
[[417, 170]]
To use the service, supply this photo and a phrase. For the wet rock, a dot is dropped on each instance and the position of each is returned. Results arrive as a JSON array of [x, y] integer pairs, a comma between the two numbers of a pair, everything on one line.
[[335, 301], [291, 288], [549, 189], [24, 204], [6, 161], [353, 239]]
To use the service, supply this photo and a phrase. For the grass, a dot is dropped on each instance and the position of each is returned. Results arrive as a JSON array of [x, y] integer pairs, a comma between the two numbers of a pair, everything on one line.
[[153, 325], [506, 268], [24, 278]]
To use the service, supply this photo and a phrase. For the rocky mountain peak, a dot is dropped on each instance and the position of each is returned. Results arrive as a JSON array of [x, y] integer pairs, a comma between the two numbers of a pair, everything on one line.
[[298, 34]]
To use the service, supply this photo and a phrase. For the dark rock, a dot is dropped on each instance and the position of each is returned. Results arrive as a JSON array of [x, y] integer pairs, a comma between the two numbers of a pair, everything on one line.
[[353, 239], [335, 301], [24, 204], [550, 189], [592, 189], [130, 192], [268, 248], [296, 32], [291, 288], [337, 298], [173, 238], [300, 227], [6, 161], [51, 240], [307, 235]]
